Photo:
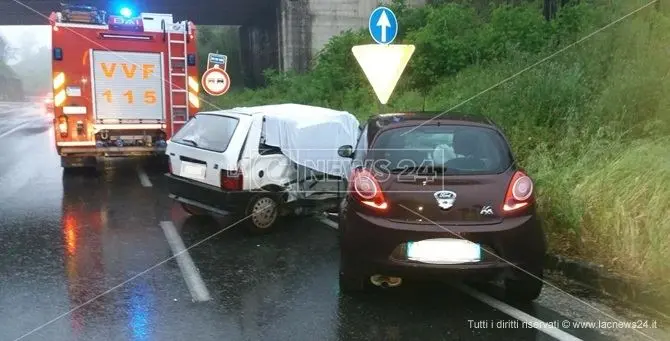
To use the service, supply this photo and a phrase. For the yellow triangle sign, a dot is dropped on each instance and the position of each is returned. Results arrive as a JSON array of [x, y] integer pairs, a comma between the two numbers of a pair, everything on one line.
[[383, 65]]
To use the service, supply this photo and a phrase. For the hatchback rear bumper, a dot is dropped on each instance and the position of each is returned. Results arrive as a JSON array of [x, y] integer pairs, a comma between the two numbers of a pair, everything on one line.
[[207, 197], [374, 245]]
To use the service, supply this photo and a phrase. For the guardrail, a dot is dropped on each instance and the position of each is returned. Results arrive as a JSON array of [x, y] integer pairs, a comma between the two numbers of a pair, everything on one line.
[[16, 103], [8, 107]]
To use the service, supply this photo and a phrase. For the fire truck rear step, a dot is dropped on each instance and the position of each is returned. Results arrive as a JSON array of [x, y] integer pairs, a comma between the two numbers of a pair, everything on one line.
[[111, 151]]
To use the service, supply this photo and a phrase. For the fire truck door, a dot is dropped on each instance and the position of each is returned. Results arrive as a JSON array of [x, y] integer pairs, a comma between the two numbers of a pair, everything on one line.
[[128, 85]]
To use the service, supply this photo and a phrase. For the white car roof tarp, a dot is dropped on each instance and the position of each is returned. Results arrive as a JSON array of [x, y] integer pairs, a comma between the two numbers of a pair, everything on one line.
[[309, 135]]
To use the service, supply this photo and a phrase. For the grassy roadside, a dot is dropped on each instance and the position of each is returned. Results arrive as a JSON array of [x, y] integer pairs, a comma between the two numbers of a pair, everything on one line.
[[592, 126]]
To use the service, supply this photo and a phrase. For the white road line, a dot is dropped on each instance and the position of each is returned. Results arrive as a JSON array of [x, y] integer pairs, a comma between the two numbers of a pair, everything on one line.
[[14, 129], [191, 274], [540, 325], [144, 179], [328, 222]]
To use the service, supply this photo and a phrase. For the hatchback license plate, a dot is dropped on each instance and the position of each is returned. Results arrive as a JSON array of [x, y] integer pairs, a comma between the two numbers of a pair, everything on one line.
[[193, 170], [444, 251]]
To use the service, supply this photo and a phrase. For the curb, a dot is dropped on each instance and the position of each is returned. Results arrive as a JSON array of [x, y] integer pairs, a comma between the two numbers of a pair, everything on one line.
[[596, 277]]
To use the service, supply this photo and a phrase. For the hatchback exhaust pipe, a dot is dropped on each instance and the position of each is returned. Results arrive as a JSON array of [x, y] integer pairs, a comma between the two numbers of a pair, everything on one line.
[[385, 281]]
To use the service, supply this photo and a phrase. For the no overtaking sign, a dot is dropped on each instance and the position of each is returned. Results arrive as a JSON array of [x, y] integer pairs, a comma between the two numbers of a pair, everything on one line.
[[215, 81]]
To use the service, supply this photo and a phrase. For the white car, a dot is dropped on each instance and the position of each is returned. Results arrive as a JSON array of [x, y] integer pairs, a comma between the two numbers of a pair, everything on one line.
[[264, 162]]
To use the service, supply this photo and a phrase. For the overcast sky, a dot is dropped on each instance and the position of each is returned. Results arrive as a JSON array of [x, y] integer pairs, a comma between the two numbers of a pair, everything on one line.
[[20, 36]]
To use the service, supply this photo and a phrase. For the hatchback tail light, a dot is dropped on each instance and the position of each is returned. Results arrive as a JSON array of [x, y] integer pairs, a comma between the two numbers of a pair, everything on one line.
[[231, 181], [169, 162], [366, 189], [519, 193]]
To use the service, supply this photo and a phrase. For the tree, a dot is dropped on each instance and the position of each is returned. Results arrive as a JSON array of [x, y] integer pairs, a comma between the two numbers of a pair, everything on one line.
[[34, 70], [224, 40], [550, 9], [5, 50]]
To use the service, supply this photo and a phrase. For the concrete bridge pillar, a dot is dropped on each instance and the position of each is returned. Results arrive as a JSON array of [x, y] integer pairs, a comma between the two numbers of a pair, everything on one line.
[[259, 44], [305, 26], [295, 35]]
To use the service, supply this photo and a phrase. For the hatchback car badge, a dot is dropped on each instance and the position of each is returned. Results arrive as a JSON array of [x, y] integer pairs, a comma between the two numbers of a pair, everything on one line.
[[445, 199], [486, 210]]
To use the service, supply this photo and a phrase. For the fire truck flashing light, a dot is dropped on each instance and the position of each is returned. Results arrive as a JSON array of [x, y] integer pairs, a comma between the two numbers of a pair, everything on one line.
[[126, 12]]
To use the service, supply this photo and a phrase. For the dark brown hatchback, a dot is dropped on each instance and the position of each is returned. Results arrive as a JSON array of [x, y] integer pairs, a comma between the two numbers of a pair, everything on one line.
[[438, 199]]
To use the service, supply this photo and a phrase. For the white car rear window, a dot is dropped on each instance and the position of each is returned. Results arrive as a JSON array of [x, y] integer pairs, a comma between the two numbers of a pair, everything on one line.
[[210, 132]]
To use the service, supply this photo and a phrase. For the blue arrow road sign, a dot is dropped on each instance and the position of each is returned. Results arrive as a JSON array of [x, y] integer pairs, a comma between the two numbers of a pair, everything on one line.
[[383, 25]]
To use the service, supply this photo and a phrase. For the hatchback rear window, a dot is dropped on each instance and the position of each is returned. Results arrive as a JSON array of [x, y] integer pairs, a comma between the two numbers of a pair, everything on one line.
[[446, 149], [211, 132]]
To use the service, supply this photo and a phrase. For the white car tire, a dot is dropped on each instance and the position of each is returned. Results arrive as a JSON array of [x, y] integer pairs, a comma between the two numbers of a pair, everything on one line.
[[263, 213]]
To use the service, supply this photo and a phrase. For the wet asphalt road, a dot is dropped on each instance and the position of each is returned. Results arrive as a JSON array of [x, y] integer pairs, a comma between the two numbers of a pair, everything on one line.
[[84, 257]]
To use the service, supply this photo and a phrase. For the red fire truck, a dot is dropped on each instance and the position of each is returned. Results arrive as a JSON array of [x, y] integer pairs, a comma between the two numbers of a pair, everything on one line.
[[122, 84]]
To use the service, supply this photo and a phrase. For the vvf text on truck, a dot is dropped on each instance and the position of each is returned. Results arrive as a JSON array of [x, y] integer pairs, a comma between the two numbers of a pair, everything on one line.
[[122, 84]]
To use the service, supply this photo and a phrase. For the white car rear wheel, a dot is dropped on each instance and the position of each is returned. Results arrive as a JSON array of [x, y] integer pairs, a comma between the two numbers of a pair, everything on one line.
[[263, 213]]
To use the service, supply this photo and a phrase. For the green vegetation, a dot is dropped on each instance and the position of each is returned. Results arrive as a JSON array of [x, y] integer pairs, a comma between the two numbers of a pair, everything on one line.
[[10, 86], [5, 71], [34, 69], [223, 40], [590, 125]]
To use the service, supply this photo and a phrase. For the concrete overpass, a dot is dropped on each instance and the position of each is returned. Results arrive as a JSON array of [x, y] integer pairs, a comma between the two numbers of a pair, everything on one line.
[[280, 34]]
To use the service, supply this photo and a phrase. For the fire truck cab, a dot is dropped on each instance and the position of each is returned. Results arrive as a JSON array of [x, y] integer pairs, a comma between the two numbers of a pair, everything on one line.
[[122, 84]]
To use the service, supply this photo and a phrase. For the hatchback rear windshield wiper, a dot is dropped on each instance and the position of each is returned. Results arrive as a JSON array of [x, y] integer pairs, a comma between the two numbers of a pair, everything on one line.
[[190, 141]]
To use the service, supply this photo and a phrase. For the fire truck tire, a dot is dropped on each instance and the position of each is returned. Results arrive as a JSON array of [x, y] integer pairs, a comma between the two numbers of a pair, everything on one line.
[[158, 162], [70, 164]]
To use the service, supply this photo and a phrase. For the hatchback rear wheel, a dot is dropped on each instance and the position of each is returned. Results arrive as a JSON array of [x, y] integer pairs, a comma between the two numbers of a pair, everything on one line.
[[525, 288], [263, 213], [351, 281]]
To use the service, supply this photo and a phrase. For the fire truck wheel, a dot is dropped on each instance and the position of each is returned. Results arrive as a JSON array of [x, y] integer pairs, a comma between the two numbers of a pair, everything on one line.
[[75, 164], [194, 211]]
